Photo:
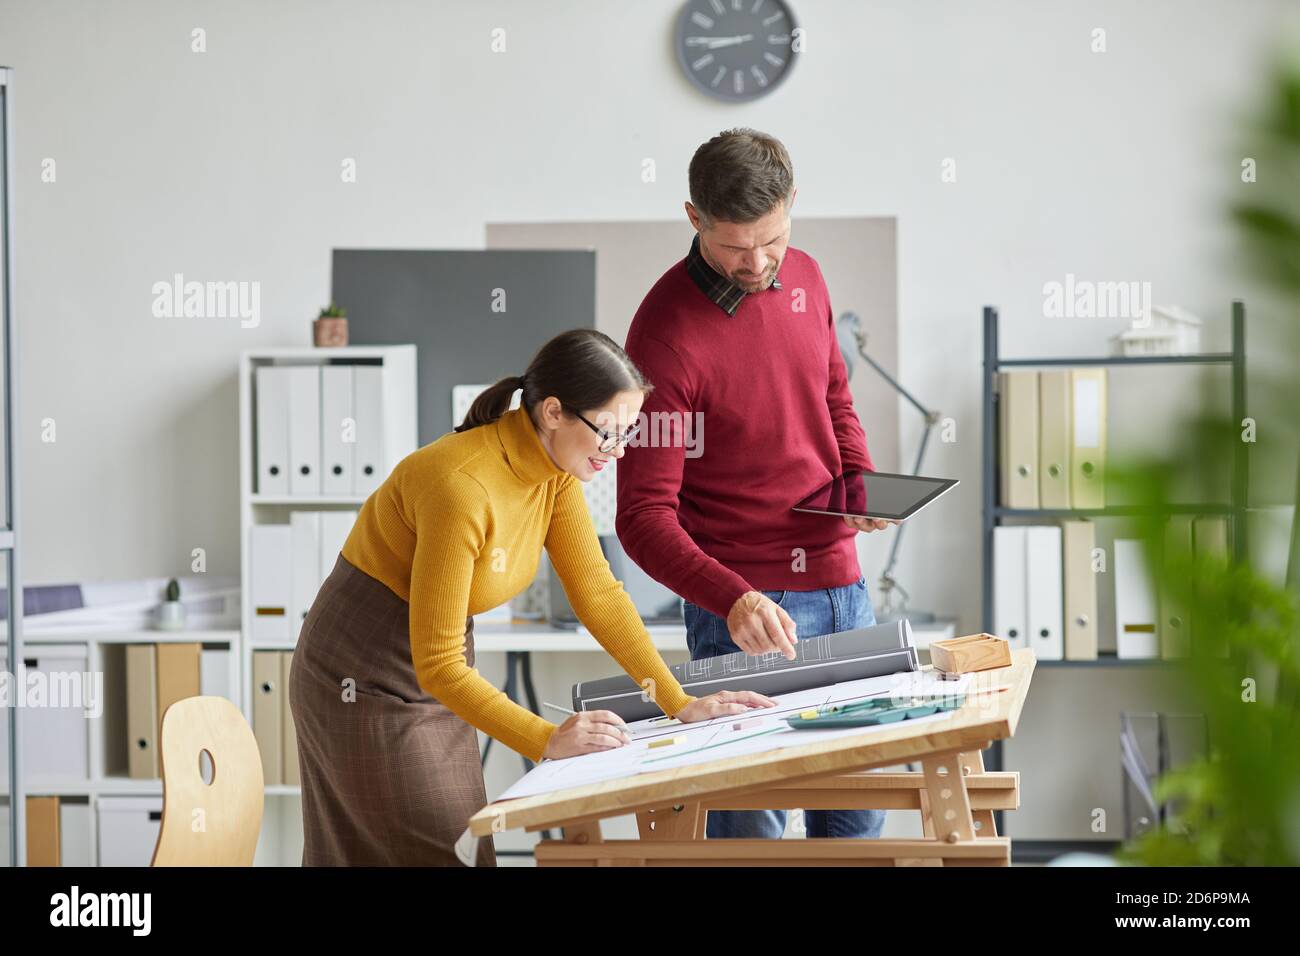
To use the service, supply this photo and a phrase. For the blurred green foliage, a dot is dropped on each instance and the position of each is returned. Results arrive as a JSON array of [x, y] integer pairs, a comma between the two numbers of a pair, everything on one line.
[[1240, 805]]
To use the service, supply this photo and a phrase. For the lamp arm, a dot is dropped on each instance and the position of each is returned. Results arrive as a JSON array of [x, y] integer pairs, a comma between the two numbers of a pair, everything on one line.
[[898, 531], [887, 582], [929, 415]]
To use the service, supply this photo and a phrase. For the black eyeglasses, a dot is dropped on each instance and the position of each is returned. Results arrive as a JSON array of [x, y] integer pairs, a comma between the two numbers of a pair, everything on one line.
[[608, 442]]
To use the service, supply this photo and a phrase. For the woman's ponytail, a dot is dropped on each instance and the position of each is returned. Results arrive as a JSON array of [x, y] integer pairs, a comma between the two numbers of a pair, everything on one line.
[[492, 403]]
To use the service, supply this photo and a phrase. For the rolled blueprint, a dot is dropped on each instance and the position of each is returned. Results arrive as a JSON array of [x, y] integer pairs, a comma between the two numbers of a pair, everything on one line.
[[818, 662]]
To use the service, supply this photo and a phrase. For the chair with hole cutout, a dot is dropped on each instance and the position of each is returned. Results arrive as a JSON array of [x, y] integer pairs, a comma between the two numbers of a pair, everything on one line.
[[214, 822]]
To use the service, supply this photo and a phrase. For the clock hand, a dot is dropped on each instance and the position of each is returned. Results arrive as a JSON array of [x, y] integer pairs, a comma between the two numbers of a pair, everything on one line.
[[714, 43], [729, 41]]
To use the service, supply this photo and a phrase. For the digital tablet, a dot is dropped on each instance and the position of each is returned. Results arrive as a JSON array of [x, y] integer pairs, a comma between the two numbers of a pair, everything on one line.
[[875, 494]]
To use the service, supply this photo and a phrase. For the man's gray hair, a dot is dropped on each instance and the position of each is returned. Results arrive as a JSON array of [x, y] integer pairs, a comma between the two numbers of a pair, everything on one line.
[[740, 175]]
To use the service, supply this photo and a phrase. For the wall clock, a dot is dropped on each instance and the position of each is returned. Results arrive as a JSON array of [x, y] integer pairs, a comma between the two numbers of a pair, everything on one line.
[[735, 50]]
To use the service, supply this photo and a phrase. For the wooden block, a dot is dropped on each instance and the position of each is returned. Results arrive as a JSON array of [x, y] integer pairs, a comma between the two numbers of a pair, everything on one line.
[[974, 652], [43, 831]]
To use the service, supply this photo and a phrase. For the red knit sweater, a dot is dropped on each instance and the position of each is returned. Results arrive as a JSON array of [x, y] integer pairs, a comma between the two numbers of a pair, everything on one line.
[[768, 419]]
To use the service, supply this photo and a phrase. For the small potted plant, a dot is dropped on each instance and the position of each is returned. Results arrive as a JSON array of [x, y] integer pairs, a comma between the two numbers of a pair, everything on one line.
[[171, 613], [330, 329]]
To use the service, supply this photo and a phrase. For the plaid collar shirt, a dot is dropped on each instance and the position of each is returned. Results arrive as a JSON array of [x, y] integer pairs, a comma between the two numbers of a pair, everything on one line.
[[720, 290]]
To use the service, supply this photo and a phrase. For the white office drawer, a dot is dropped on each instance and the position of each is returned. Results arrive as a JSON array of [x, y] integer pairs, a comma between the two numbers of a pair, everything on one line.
[[128, 830]]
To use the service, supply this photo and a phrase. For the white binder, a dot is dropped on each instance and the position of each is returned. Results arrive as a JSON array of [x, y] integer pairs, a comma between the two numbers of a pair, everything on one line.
[[269, 546], [335, 526], [369, 468], [304, 430], [305, 574], [1009, 606], [75, 847], [214, 673], [1044, 597], [272, 423], [1135, 602], [338, 429]]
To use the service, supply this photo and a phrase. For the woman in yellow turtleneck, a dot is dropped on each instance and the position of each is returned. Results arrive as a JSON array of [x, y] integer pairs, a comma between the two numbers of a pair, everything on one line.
[[384, 694]]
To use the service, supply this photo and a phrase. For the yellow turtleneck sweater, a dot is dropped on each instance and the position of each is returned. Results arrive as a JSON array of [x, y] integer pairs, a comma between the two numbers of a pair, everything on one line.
[[457, 529]]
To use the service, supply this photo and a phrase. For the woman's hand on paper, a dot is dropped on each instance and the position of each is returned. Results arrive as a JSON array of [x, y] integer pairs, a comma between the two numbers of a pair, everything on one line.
[[868, 524], [758, 625], [722, 704], [587, 732]]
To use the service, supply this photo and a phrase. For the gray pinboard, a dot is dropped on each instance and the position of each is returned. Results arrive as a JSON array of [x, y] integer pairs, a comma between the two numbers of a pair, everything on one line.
[[448, 304]]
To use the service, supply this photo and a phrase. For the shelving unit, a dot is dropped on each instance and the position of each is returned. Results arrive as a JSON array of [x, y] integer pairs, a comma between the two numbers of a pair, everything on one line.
[[994, 514], [281, 840], [105, 733]]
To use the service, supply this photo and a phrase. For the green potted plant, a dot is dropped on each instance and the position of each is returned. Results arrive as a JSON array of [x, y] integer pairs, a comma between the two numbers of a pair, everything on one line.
[[330, 330], [171, 613]]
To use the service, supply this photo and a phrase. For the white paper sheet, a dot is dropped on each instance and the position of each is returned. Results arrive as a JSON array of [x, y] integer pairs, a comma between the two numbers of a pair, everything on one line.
[[761, 730]]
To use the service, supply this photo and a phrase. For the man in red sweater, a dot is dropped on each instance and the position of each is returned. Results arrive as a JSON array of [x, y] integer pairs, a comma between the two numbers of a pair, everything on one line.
[[750, 412]]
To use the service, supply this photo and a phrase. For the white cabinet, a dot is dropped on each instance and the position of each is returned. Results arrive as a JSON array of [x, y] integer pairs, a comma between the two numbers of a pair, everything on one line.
[[128, 830]]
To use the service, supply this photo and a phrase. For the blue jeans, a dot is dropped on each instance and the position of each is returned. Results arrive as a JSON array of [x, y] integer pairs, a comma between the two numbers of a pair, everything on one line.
[[824, 611]]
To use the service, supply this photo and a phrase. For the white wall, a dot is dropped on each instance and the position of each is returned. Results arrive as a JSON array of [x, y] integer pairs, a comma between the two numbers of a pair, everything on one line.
[[225, 166]]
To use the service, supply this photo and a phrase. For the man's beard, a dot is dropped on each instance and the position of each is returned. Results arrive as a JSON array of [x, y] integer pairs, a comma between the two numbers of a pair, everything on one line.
[[751, 286]]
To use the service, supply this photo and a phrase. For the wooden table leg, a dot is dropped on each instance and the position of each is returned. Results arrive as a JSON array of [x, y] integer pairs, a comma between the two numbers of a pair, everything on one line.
[[927, 821], [682, 821], [586, 832], [972, 761], [986, 825], [945, 787], [581, 834]]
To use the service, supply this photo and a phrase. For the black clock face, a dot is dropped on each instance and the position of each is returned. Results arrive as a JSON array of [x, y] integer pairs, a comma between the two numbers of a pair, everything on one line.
[[735, 49]]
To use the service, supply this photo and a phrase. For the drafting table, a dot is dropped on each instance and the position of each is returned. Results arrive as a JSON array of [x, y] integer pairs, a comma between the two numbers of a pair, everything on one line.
[[519, 639], [954, 794]]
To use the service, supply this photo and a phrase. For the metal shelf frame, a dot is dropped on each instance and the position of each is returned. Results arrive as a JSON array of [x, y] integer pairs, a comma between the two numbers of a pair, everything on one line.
[[12, 642], [994, 514]]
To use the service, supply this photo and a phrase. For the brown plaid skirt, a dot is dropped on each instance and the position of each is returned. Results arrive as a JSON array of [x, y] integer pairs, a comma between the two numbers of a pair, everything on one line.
[[390, 776]]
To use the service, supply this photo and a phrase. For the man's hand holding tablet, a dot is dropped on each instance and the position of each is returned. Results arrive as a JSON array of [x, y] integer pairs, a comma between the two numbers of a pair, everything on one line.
[[868, 524]]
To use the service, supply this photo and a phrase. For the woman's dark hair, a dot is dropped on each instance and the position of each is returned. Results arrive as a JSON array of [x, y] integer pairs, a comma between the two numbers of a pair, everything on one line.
[[583, 368]]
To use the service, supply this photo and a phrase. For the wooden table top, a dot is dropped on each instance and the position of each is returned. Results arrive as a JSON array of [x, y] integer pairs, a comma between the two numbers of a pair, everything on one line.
[[985, 717]]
